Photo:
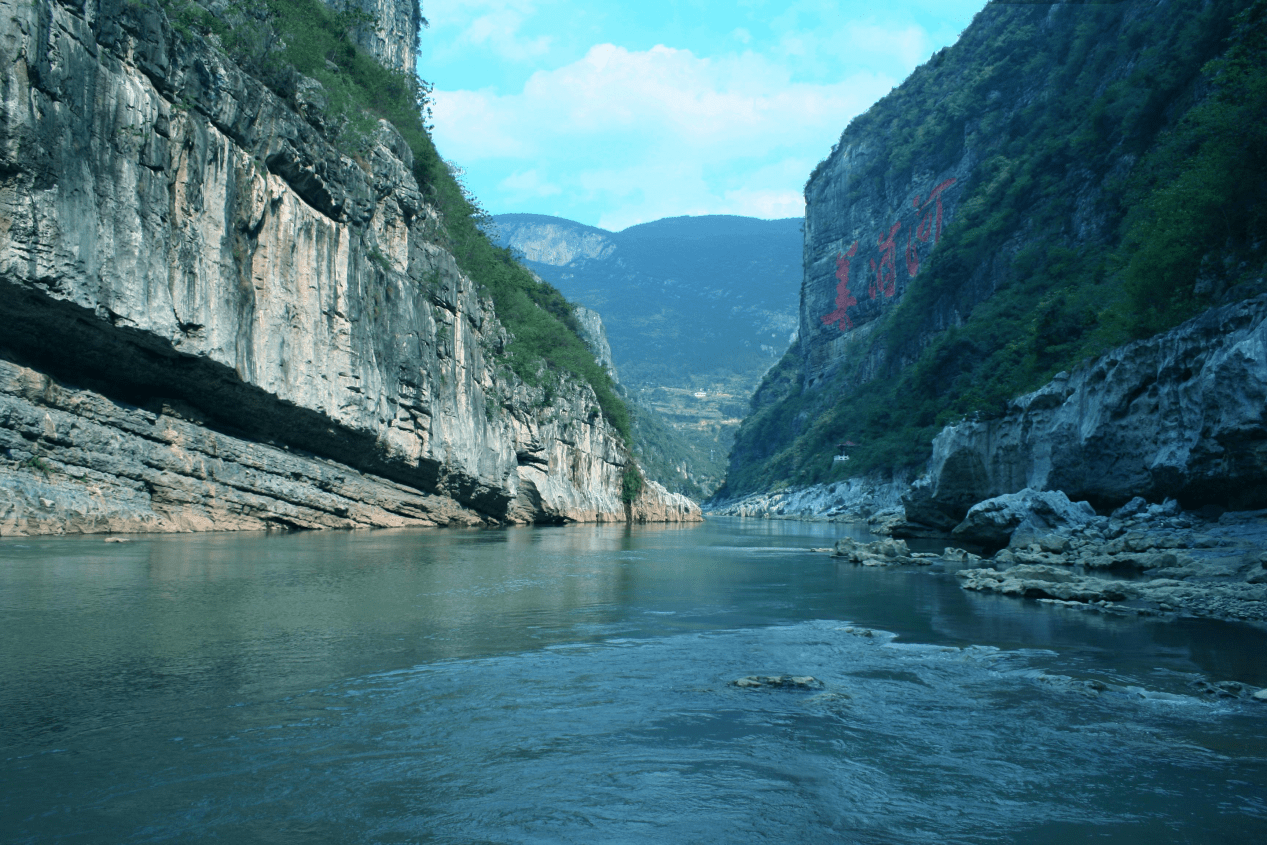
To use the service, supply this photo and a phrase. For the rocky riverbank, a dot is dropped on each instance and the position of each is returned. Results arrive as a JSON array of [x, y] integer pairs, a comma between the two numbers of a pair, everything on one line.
[[1153, 560], [876, 497]]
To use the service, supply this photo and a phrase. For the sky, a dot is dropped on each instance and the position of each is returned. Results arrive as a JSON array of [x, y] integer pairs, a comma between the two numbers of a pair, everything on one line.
[[618, 113]]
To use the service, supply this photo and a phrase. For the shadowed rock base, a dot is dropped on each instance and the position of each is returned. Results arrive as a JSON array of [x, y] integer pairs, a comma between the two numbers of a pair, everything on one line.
[[73, 461]]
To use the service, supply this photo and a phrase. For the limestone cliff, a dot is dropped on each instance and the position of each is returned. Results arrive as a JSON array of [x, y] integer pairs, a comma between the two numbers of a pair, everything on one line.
[[215, 319], [594, 333], [393, 36], [551, 241]]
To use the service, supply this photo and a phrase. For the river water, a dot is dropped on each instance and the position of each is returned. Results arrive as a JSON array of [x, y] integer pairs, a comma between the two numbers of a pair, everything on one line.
[[575, 685]]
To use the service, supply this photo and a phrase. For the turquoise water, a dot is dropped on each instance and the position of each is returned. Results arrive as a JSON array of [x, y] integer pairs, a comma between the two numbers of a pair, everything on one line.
[[574, 685]]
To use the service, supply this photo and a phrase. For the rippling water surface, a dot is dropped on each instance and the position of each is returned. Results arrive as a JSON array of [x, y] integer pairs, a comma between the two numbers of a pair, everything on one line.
[[574, 685]]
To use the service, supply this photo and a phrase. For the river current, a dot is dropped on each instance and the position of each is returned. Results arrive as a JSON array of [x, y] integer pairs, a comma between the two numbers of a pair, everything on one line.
[[575, 685]]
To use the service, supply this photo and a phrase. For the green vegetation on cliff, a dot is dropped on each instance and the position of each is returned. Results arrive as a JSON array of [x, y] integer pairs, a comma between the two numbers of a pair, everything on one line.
[[1162, 110], [281, 42]]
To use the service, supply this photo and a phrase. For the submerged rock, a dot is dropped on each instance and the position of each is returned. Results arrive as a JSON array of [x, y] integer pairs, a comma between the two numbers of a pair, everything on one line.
[[797, 682]]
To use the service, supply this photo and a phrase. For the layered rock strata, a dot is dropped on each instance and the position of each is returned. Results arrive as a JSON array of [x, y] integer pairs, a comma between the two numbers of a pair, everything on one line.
[[173, 235], [1182, 414]]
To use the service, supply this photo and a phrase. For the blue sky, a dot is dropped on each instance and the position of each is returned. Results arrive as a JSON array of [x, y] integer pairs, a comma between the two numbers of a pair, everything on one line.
[[614, 114]]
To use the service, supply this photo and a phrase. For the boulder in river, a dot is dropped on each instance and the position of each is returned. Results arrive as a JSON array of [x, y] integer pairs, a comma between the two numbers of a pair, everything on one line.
[[887, 552], [1034, 513]]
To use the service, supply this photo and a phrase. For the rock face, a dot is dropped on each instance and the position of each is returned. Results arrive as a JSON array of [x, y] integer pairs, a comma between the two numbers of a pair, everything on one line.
[[962, 238], [394, 40], [864, 242], [855, 498], [553, 241], [594, 333], [75, 461], [1182, 415], [173, 236]]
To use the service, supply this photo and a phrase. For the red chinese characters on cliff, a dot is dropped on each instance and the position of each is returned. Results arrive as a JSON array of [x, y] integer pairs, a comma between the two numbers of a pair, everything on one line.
[[884, 275], [844, 299], [929, 226], [929, 213]]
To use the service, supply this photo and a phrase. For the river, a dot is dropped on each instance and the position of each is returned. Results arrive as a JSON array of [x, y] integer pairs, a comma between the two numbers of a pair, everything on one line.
[[574, 685]]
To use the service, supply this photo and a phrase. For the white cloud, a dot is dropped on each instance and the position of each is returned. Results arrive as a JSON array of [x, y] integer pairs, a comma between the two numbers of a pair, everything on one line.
[[821, 52], [910, 45], [655, 132], [493, 25], [528, 184], [500, 33]]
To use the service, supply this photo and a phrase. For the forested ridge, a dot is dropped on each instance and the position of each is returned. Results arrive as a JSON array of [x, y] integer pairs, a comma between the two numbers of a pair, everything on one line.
[[1117, 189]]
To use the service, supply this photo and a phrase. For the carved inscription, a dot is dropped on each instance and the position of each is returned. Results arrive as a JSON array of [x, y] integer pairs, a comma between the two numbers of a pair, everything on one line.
[[925, 229]]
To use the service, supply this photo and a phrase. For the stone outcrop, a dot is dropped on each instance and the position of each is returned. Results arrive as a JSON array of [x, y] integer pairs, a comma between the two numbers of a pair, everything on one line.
[[1156, 560], [75, 461], [1182, 415], [995, 522], [594, 333], [858, 498], [186, 260], [552, 241], [885, 552], [393, 39], [1159, 561]]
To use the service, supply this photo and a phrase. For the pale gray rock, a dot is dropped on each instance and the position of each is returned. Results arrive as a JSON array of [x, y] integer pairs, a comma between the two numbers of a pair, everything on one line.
[[886, 552], [554, 243], [1035, 512], [594, 333], [1150, 569], [1131, 508], [1182, 415], [853, 499], [177, 236], [1052, 582], [393, 39]]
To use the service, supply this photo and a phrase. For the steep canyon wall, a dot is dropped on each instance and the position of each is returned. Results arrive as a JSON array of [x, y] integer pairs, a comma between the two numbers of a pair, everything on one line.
[[208, 306], [964, 238]]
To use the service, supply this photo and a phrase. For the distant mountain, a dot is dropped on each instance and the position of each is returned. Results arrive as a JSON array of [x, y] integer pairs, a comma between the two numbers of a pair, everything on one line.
[[684, 299], [691, 305]]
